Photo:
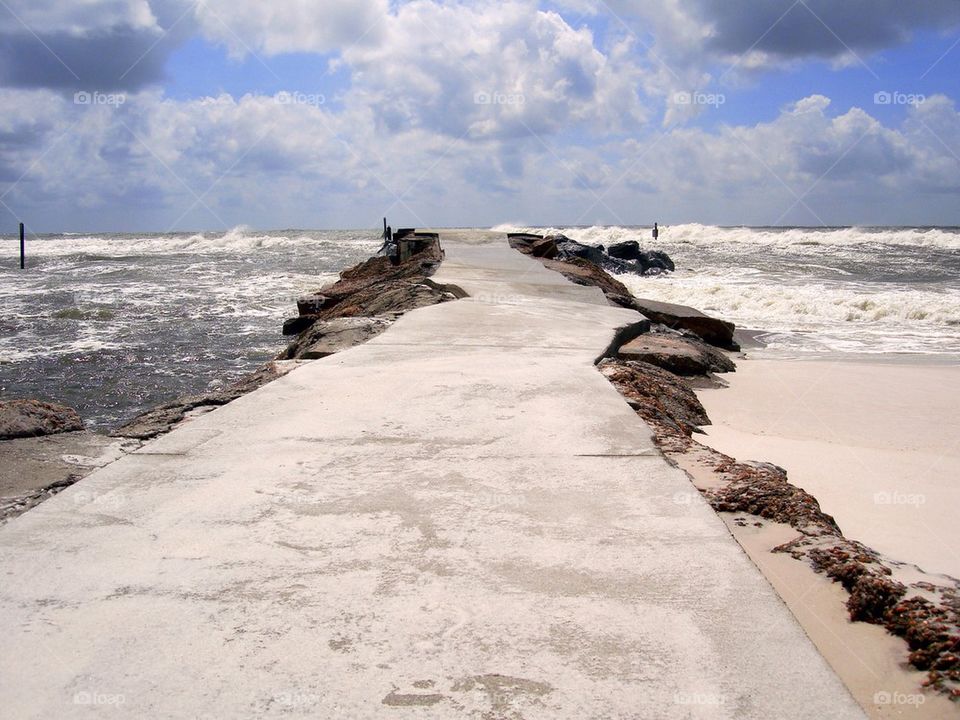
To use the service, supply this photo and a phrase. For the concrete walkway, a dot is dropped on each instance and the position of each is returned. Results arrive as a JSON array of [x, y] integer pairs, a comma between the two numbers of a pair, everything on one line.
[[460, 519]]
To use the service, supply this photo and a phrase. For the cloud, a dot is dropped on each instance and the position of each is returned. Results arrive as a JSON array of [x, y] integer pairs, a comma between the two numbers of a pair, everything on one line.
[[492, 70], [97, 45], [156, 163], [286, 26]]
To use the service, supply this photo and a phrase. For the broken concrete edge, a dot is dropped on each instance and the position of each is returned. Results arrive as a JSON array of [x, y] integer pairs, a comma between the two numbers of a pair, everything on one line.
[[924, 613], [11, 507], [713, 331], [163, 419]]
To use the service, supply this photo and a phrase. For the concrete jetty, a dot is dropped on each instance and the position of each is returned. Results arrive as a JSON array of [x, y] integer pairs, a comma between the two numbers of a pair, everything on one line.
[[460, 518]]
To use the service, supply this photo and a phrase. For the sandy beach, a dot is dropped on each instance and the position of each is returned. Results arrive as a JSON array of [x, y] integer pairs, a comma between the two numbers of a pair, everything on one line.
[[876, 442]]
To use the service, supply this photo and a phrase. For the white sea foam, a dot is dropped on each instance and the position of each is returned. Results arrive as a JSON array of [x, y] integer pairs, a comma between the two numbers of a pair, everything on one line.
[[697, 234], [238, 240], [845, 290]]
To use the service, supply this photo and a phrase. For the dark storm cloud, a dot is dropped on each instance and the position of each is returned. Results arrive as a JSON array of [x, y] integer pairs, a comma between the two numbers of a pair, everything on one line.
[[821, 28], [112, 60]]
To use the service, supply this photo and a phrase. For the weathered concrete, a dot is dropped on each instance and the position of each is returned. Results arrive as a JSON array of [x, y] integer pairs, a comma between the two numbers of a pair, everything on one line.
[[461, 518]]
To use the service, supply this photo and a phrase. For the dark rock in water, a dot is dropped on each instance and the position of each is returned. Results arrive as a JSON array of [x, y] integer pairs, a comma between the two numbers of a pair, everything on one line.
[[661, 259], [33, 418], [679, 355], [627, 250], [659, 397], [680, 317], [567, 248], [295, 326], [584, 272], [327, 337], [314, 303]]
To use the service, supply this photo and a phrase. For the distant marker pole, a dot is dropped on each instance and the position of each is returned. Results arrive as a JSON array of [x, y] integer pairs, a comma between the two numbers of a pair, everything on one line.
[[23, 249]]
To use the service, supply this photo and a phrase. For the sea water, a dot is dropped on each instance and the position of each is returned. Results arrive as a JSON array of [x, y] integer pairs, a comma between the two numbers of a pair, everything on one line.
[[809, 291], [113, 324]]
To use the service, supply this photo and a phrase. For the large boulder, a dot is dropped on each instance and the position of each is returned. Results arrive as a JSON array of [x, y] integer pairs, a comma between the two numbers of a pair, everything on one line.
[[680, 355], [626, 250], [33, 418], [544, 248], [327, 337], [584, 272], [385, 298], [680, 317], [567, 248]]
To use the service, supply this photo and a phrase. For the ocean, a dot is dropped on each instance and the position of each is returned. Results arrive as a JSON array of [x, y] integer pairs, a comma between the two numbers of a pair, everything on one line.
[[113, 324], [809, 291]]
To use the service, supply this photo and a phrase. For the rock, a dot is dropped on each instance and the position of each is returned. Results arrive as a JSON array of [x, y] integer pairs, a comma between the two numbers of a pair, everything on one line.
[[376, 271], [627, 250], [391, 297], [523, 241], [162, 419], [330, 336], [683, 356], [584, 272], [680, 317], [33, 418], [313, 303], [659, 397], [567, 248], [659, 258], [544, 248], [295, 326]]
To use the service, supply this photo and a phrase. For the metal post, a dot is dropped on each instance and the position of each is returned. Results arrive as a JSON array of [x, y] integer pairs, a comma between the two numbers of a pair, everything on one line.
[[385, 237], [22, 248]]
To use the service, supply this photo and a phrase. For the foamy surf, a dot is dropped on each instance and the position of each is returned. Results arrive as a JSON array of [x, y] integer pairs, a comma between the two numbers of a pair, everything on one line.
[[810, 290]]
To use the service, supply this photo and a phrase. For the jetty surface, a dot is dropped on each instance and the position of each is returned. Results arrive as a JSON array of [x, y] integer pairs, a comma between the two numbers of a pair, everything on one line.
[[459, 518]]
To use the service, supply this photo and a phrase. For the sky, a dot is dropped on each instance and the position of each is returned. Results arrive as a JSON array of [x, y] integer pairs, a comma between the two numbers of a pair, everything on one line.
[[178, 115]]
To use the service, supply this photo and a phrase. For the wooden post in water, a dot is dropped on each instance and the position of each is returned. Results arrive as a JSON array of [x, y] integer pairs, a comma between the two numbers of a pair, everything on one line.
[[22, 248]]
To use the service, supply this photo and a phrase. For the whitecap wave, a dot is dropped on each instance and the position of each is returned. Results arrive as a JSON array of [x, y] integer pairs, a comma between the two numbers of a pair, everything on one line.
[[697, 234]]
